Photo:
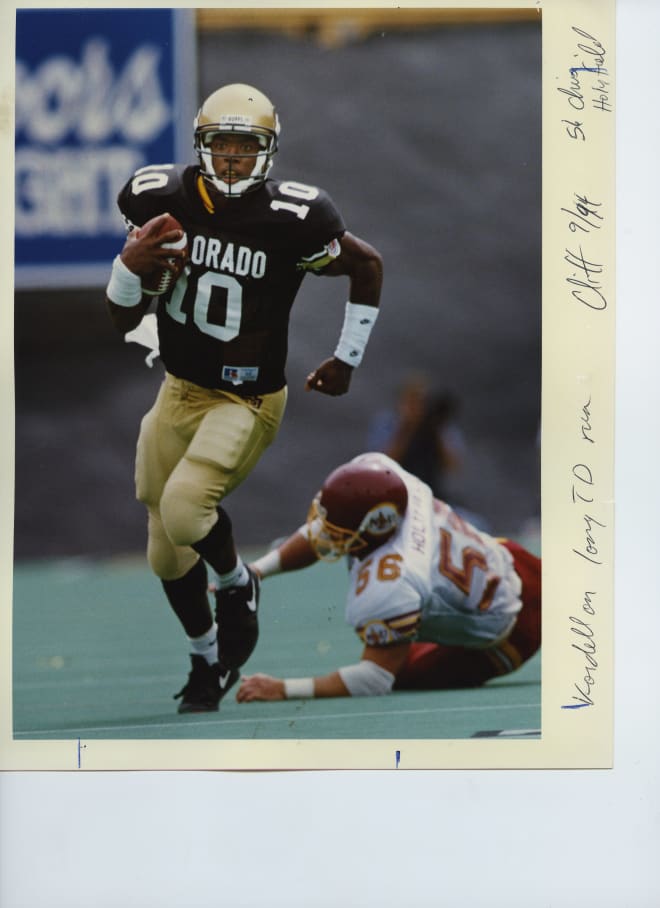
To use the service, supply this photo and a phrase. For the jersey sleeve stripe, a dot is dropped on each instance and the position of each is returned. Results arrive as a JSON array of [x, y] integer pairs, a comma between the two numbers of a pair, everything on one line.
[[322, 258], [402, 627], [410, 620]]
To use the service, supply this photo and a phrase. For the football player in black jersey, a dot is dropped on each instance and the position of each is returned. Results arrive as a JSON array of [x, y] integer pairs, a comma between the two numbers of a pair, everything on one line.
[[222, 336]]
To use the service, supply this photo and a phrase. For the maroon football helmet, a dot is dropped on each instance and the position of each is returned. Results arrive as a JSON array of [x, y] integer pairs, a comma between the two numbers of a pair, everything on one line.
[[359, 507]]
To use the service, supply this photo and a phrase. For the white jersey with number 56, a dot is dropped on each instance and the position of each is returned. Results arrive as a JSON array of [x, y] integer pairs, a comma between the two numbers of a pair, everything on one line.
[[437, 579]]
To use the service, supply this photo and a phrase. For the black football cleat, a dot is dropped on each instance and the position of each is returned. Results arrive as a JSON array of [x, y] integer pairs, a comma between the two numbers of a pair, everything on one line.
[[238, 626], [206, 686]]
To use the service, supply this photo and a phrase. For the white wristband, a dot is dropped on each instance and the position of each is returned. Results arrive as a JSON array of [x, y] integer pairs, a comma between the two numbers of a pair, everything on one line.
[[124, 288], [298, 688], [268, 564], [358, 322]]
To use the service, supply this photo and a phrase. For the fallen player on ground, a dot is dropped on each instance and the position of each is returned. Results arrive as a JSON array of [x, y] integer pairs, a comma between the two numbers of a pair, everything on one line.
[[436, 603]]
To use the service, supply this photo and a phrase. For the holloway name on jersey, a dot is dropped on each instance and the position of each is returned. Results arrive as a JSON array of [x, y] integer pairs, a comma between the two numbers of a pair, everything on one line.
[[224, 324]]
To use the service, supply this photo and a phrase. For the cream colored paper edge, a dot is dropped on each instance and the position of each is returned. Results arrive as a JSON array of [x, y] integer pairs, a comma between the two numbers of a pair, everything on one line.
[[577, 449]]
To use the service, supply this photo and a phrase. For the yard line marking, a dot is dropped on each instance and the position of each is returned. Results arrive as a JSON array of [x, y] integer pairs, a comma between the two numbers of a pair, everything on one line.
[[90, 683], [283, 718]]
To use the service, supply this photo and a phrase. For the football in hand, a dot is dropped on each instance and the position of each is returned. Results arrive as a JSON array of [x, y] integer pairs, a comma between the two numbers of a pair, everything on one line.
[[160, 280]]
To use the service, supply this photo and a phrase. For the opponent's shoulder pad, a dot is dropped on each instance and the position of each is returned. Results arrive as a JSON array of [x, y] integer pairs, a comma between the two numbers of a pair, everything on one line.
[[383, 605]]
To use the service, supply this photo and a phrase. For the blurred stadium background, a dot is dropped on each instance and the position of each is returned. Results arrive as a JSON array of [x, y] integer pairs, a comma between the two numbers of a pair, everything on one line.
[[425, 128]]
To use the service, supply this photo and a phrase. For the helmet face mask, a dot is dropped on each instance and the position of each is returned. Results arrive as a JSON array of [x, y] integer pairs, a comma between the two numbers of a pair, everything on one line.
[[236, 110], [358, 509], [331, 542]]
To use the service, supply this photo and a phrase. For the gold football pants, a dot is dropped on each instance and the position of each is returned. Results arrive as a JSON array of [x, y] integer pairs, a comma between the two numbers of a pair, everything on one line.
[[196, 445]]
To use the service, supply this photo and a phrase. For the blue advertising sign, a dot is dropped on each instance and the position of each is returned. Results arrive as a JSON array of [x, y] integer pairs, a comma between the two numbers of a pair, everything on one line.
[[99, 93]]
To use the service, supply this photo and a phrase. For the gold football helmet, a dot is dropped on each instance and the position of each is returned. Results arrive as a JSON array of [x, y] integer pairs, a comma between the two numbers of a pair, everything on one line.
[[239, 109]]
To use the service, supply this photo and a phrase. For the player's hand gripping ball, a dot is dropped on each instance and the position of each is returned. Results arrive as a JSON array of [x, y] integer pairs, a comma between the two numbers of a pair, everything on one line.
[[162, 278]]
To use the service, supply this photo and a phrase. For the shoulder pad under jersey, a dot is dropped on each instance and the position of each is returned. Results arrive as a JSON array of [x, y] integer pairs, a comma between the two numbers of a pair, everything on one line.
[[151, 191], [307, 209], [383, 605]]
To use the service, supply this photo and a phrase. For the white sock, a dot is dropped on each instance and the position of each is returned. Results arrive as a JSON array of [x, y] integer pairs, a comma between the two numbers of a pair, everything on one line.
[[237, 577], [206, 645]]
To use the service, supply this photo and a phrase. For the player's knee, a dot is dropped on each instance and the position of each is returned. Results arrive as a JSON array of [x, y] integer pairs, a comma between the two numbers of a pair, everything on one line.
[[188, 514], [166, 560], [169, 563]]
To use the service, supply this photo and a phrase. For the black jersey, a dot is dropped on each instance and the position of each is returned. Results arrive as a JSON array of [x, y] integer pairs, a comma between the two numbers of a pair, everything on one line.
[[224, 324]]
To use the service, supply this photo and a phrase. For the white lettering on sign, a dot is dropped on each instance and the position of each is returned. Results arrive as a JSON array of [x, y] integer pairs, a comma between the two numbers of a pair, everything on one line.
[[79, 126], [87, 100], [71, 192]]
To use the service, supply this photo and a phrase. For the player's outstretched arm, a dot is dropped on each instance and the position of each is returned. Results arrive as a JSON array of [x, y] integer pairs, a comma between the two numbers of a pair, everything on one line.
[[266, 687], [293, 554], [363, 265], [374, 675]]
